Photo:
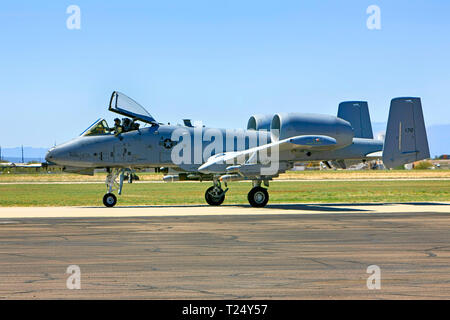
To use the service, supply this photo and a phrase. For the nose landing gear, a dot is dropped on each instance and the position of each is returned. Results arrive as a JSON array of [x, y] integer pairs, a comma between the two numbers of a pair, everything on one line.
[[109, 199]]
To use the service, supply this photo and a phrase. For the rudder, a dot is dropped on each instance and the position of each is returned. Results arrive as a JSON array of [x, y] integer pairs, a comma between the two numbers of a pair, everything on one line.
[[406, 138], [357, 113]]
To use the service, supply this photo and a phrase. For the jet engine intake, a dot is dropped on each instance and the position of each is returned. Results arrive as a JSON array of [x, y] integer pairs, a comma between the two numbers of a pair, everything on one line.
[[260, 122]]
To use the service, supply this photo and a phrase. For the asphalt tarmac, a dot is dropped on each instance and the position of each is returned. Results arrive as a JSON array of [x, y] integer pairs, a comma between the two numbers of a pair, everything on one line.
[[292, 251]]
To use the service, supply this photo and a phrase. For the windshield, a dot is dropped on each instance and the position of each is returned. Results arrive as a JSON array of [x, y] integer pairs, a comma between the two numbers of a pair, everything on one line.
[[126, 106], [100, 126]]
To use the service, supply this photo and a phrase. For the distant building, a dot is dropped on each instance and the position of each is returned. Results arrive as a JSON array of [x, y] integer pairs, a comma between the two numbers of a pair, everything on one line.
[[409, 166]]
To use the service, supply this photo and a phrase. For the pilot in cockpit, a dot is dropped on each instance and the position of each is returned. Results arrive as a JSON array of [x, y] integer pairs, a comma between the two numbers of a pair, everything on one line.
[[129, 125], [117, 127], [126, 124]]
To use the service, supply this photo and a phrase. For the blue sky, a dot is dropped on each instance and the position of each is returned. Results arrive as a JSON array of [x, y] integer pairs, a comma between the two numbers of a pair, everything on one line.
[[215, 61]]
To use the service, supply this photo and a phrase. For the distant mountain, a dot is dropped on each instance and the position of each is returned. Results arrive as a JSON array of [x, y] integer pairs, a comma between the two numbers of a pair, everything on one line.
[[379, 128], [439, 139]]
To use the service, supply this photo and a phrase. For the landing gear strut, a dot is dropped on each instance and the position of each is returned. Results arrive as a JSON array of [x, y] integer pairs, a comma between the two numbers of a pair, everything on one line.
[[258, 196], [109, 199], [215, 195]]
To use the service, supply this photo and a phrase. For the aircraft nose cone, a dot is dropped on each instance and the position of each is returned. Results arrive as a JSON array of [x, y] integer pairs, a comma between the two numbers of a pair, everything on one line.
[[49, 155], [53, 155]]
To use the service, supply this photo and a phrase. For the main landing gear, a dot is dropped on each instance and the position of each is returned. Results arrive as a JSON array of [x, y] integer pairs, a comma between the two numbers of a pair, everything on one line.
[[257, 197], [215, 195]]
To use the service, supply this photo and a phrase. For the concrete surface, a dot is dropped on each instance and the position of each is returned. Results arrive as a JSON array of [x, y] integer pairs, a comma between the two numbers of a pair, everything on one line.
[[311, 251]]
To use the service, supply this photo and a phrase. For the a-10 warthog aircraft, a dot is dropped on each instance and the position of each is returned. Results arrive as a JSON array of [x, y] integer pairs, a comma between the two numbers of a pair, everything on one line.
[[270, 146]]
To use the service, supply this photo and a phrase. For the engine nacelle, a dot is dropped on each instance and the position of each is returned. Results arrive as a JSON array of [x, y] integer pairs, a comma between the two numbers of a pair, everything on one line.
[[260, 122], [285, 125]]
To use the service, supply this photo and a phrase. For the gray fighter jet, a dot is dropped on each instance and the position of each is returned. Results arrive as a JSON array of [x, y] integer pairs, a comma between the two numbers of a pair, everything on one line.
[[270, 146]]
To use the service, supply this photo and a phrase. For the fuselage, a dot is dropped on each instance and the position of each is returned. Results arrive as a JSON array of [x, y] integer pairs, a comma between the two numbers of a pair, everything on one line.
[[162, 145]]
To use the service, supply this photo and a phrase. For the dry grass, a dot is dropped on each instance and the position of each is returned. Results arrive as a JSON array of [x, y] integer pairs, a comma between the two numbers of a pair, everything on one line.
[[290, 175], [366, 174], [69, 177]]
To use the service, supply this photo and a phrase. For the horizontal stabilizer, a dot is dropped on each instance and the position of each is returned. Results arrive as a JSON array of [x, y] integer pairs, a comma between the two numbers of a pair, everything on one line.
[[406, 138]]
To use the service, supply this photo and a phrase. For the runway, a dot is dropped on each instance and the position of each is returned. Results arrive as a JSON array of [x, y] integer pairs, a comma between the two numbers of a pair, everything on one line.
[[206, 210], [292, 251]]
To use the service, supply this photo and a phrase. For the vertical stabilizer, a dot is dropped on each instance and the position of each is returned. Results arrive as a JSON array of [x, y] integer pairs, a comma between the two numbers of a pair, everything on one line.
[[406, 138], [357, 113]]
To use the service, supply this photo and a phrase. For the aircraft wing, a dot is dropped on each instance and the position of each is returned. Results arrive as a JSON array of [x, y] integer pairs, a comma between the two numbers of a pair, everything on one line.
[[305, 142]]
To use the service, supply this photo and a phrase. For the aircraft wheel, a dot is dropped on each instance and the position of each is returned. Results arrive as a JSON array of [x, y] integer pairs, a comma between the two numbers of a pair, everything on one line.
[[109, 200], [258, 197], [214, 196]]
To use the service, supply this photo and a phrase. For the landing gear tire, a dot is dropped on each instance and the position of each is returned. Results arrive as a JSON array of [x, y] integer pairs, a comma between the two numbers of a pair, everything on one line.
[[258, 197], [109, 200], [214, 196]]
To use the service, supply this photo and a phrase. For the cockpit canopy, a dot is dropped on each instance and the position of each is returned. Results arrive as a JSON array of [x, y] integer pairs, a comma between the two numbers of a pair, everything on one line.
[[99, 127], [124, 105]]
